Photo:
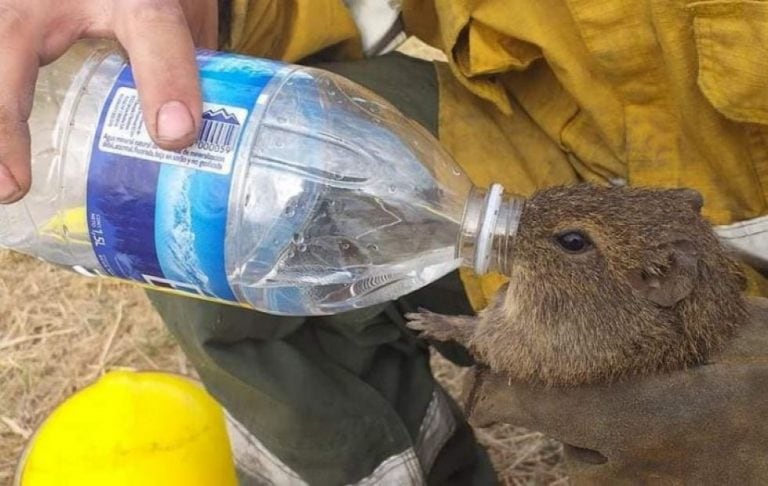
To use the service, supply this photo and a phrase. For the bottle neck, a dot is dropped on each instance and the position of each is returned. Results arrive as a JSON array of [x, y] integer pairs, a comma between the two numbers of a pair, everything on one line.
[[490, 223]]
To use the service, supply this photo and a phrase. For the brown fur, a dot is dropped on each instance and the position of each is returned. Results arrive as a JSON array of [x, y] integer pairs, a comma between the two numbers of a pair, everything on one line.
[[568, 319]]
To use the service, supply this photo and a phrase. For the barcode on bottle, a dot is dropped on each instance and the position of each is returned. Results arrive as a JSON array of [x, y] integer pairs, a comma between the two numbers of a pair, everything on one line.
[[218, 136], [123, 133]]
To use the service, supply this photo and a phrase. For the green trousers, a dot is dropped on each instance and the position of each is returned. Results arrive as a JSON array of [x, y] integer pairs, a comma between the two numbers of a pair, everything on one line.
[[339, 399]]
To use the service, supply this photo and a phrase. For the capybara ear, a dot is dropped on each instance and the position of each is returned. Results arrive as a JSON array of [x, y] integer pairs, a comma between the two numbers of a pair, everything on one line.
[[670, 275]]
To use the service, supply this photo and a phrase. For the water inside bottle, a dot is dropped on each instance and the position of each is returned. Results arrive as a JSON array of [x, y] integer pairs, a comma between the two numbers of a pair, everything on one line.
[[369, 207]]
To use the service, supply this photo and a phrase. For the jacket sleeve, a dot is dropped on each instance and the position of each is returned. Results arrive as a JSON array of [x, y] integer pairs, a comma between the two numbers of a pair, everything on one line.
[[291, 29]]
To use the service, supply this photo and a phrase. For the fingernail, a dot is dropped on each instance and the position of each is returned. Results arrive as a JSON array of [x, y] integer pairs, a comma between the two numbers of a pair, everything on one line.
[[9, 188], [174, 122]]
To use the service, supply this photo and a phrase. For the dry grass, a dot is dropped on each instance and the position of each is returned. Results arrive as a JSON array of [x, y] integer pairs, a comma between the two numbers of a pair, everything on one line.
[[59, 331]]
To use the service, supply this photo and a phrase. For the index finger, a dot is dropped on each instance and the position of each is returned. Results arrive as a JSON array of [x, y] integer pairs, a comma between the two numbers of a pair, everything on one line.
[[158, 41]]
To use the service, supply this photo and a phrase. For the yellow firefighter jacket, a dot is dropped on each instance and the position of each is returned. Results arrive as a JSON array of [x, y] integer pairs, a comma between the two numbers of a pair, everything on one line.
[[536, 93]]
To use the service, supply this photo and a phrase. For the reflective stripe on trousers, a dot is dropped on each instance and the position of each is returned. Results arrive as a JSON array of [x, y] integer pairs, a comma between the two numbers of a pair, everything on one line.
[[409, 467]]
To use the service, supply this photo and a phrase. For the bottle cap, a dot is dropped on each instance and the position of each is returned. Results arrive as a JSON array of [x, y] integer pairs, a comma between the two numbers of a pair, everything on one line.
[[488, 224]]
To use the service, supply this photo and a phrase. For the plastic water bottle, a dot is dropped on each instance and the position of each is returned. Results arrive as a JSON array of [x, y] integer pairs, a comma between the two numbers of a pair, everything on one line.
[[305, 194]]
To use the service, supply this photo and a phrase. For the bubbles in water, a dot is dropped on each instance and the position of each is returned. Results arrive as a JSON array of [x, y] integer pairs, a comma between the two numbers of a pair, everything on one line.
[[345, 246], [297, 238], [455, 170], [302, 248], [372, 247], [290, 211], [392, 189]]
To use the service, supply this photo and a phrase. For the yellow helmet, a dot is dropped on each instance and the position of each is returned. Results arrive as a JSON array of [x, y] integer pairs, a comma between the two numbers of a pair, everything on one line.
[[132, 428]]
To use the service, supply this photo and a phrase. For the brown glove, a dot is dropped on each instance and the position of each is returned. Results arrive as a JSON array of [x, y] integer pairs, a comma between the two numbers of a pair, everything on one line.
[[704, 425]]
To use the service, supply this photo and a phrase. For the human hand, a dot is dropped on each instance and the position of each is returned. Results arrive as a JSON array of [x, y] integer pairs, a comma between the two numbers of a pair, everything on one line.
[[159, 36]]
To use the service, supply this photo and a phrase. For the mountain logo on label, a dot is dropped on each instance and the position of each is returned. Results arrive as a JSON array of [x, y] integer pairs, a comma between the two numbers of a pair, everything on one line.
[[220, 130], [222, 116]]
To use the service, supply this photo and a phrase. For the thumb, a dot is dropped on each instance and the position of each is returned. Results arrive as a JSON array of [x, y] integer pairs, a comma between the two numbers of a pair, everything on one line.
[[17, 80]]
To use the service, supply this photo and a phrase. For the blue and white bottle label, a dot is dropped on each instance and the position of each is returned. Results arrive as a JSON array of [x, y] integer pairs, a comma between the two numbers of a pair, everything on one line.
[[124, 133], [159, 217]]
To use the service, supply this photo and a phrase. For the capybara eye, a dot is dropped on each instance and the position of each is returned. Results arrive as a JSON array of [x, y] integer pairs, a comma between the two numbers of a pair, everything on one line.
[[573, 241]]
